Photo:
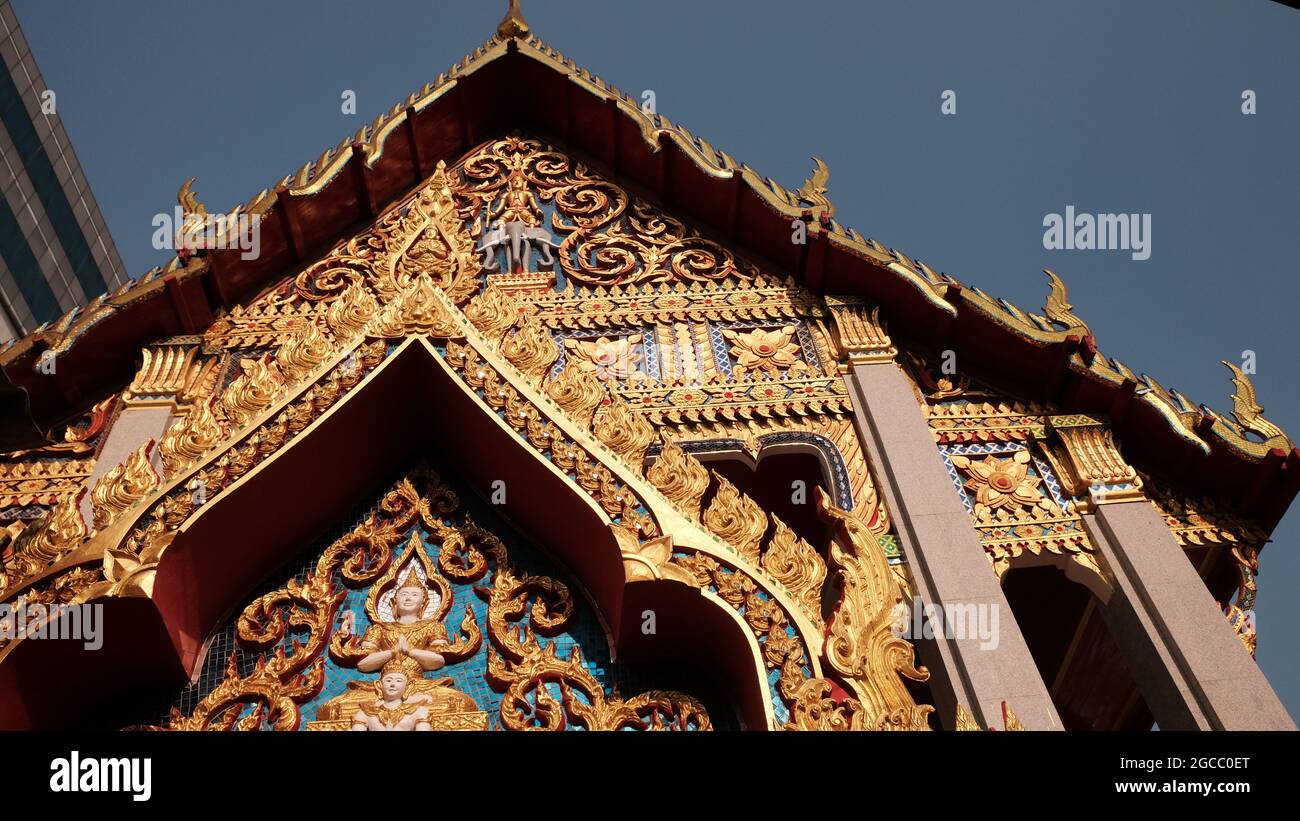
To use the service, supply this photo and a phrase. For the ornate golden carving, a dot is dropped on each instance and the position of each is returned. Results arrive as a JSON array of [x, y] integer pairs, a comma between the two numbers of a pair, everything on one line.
[[531, 350], [859, 330], [862, 646], [169, 374], [418, 310], [1058, 308], [1003, 487], [349, 315], [813, 191], [494, 312], [577, 392], [609, 359], [765, 351], [188, 439], [651, 559], [124, 486], [965, 721], [256, 387], [736, 519], [1250, 414], [1091, 459], [797, 565], [680, 477], [513, 24], [304, 351], [623, 431], [45, 541]]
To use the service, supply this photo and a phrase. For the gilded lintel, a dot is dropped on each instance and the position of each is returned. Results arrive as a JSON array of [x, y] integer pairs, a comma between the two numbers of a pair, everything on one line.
[[1088, 460], [170, 374], [859, 331]]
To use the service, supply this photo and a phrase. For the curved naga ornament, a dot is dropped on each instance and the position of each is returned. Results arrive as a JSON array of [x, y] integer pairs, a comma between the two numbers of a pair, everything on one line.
[[863, 647]]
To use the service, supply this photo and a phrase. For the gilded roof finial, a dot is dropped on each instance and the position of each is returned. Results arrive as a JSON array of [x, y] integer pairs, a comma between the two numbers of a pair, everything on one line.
[[813, 190], [513, 24]]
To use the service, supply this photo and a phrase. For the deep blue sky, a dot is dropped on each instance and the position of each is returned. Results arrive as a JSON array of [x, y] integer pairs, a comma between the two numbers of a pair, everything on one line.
[[1107, 105]]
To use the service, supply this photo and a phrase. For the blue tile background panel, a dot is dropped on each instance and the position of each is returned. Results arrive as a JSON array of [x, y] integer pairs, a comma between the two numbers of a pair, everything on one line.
[[583, 631]]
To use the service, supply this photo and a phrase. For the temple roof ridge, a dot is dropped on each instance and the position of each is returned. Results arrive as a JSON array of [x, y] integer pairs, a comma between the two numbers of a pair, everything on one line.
[[939, 295]]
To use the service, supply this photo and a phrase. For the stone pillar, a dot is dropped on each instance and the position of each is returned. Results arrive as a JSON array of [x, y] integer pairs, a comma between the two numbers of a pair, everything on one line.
[[948, 562], [1192, 669]]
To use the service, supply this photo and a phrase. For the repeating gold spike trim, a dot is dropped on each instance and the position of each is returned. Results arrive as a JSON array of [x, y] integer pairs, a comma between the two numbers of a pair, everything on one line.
[[349, 315], [796, 565], [736, 519], [531, 350], [124, 486], [626, 433], [493, 312], [577, 392], [680, 477], [187, 440]]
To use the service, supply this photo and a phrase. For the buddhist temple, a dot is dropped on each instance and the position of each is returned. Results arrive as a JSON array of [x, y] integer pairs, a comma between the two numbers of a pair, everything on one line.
[[556, 416]]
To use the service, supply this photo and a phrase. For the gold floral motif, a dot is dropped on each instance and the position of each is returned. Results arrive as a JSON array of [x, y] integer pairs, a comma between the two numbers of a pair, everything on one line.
[[124, 486], [1003, 485], [188, 439], [623, 431], [577, 392], [651, 559], [736, 519], [862, 646], [965, 721], [680, 477], [767, 351], [796, 565], [609, 360]]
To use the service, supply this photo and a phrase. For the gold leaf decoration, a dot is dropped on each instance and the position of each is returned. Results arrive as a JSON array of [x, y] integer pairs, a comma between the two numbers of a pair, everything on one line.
[[493, 312], [187, 440], [578, 392], [419, 310], [680, 477], [349, 315], [531, 350], [1059, 309], [736, 519], [797, 565], [1250, 414], [252, 391], [624, 431], [123, 486], [862, 645], [966, 721], [303, 352], [45, 541], [651, 559]]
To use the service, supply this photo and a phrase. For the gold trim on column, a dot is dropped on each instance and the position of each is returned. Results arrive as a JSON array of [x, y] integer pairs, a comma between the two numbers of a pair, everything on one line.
[[859, 330]]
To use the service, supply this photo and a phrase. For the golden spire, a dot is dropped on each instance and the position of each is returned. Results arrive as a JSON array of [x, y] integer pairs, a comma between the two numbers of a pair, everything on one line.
[[513, 24]]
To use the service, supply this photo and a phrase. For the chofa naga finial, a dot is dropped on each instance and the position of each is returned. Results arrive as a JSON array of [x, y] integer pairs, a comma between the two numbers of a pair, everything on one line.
[[513, 24]]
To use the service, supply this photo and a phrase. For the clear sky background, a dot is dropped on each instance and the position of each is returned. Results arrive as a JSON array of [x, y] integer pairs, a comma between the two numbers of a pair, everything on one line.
[[1107, 105]]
